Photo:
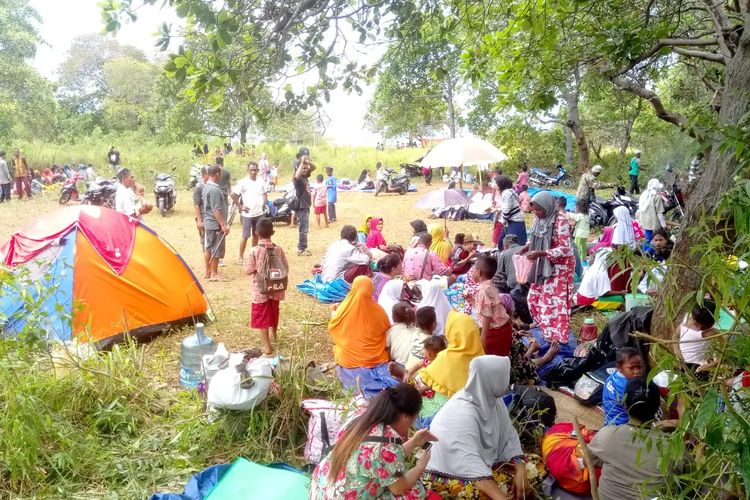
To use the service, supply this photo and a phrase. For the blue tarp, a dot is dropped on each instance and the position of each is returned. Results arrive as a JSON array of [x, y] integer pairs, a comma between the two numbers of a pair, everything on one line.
[[328, 293], [571, 199]]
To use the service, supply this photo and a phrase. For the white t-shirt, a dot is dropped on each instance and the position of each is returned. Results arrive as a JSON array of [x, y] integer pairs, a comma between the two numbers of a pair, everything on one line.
[[399, 341], [125, 200], [252, 192]]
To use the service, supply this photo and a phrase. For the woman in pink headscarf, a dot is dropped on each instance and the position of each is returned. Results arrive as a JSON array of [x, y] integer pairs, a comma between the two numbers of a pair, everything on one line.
[[375, 237]]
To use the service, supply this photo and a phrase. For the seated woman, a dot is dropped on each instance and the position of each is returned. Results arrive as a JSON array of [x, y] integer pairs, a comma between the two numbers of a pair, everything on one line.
[[660, 247], [388, 268], [440, 245], [369, 457], [365, 180], [478, 453], [433, 296], [448, 373], [375, 240], [696, 330], [364, 230], [419, 228], [597, 282], [358, 330]]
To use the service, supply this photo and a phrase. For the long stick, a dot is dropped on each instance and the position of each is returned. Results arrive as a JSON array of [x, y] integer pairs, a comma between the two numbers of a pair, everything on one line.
[[587, 459]]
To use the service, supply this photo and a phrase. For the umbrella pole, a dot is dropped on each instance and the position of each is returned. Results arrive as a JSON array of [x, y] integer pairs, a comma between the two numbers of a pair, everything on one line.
[[461, 177]]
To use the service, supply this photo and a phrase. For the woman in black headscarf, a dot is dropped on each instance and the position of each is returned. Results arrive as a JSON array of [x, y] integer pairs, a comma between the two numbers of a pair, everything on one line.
[[420, 228]]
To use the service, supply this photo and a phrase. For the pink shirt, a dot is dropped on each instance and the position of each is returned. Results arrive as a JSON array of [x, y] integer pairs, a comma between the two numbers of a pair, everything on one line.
[[414, 259], [319, 196], [524, 201], [487, 304], [252, 265], [523, 179]]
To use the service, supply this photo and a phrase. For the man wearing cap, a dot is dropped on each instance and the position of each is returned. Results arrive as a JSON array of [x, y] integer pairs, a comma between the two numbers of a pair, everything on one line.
[[588, 184], [304, 200], [506, 271], [635, 168]]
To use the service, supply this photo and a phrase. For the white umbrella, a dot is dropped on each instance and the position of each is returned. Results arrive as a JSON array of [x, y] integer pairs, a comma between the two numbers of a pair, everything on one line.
[[464, 151]]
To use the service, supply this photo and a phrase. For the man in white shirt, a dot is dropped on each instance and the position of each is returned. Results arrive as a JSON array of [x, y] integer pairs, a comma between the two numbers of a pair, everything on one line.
[[249, 194], [346, 258], [125, 196]]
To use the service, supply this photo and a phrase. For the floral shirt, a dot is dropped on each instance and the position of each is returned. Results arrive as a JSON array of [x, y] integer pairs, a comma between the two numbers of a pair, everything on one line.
[[369, 472], [253, 263], [487, 304]]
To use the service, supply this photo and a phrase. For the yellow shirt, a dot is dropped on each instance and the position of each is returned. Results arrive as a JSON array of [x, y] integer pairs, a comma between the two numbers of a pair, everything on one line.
[[20, 167]]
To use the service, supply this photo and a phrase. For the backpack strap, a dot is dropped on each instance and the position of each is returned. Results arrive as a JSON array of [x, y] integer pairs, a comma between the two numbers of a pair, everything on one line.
[[424, 263], [324, 435]]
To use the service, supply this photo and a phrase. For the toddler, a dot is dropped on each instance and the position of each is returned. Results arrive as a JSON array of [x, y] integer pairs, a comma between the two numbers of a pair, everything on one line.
[[582, 227], [629, 366], [494, 321], [398, 338]]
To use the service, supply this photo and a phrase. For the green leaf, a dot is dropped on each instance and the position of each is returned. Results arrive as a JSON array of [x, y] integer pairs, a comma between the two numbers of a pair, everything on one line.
[[706, 411]]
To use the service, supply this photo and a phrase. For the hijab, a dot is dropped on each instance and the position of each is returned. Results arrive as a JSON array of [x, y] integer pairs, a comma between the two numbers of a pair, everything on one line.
[[432, 295], [375, 237], [390, 295], [595, 281], [623, 233], [474, 428], [419, 228], [358, 328], [440, 245], [448, 373], [541, 236], [647, 197], [364, 228]]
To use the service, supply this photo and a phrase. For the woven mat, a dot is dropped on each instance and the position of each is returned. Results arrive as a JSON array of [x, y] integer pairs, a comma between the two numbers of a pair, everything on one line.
[[567, 408]]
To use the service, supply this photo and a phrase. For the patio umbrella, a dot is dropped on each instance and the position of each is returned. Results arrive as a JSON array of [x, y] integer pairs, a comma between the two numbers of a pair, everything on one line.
[[443, 198], [462, 151]]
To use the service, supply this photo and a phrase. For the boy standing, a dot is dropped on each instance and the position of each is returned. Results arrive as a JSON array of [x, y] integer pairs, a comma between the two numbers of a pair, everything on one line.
[[214, 223], [629, 366], [265, 308], [320, 199], [5, 180], [494, 321], [331, 185]]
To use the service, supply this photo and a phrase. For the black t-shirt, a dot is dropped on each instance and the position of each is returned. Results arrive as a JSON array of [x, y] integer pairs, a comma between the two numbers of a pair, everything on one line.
[[302, 192], [224, 180]]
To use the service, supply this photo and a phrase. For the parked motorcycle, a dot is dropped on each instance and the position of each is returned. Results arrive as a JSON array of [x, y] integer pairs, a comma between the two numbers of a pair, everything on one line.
[[674, 203], [601, 211], [279, 210], [195, 175], [100, 192], [164, 192], [543, 178], [411, 169], [392, 183], [69, 190]]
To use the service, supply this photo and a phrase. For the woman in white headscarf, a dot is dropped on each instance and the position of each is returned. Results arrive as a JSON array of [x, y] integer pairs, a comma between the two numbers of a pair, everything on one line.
[[432, 295], [551, 275], [390, 295], [476, 437], [623, 233], [651, 209]]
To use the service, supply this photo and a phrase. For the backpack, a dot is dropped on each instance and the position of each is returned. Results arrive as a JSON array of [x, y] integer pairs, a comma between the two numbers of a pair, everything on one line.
[[272, 276]]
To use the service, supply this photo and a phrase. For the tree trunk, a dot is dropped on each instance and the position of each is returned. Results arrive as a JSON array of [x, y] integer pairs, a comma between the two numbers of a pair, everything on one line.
[[574, 124], [568, 145], [243, 133], [629, 122], [704, 197], [450, 83]]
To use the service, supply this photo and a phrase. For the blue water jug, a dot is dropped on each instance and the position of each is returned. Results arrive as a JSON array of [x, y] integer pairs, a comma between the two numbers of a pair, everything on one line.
[[192, 351]]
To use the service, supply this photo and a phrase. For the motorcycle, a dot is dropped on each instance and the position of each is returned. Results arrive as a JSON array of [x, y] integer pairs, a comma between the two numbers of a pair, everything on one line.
[[69, 190], [411, 169], [545, 179], [278, 209], [164, 192], [601, 211], [100, 192], [674, 203], [195, 175], [392, 183]]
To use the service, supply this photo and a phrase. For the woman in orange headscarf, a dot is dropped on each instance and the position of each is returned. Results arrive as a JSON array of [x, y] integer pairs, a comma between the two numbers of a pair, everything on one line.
[[358, 329]]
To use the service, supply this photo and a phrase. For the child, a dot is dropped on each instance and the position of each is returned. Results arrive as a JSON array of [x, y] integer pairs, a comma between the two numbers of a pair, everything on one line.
[[320, 200], [463, 253], [494, 322], [265, 308], [398, 338], [458, 248], [426, 324], [562, 203], [661, 246], [629, 366], [431, 346], [331, 185], [141, 205], [695, 332], [274, 174], [524, 199], [582, 227]]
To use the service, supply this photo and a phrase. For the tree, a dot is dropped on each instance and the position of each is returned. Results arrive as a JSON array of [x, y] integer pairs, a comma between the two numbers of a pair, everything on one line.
[[130, 84]]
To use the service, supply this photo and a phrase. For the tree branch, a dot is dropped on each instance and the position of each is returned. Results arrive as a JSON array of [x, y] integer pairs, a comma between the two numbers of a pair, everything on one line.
[[661, 112], [700, 54], [548, 119], [687, 42]]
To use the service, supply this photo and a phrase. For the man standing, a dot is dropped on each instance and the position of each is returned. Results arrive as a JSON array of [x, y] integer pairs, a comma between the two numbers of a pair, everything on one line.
[[635, 168], [588, 184], [249, 194], [304, 200], [225, 179], [21, 174], [214, 223], [125, 195], [198, 203], [331, 193], [5, 180], [265, 169], [113, 158]]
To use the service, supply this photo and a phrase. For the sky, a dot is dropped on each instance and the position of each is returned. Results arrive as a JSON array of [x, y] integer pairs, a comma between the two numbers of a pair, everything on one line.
[[63, 20]]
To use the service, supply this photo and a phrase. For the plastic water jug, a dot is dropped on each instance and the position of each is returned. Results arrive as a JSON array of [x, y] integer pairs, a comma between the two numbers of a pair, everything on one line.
[[192, 350], [588, 330]]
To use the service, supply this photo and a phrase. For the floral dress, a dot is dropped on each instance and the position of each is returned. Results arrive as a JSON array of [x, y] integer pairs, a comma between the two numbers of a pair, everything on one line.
[[369, 472], [549, 302]]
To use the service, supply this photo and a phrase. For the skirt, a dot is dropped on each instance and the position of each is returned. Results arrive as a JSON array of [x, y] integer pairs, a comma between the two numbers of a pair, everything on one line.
[[499, 340]]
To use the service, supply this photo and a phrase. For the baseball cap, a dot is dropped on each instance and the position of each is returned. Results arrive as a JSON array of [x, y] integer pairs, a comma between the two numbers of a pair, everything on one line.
[[637, 152], [596, 168]]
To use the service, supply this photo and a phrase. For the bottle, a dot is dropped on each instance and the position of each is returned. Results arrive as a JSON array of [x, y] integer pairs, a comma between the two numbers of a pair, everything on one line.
[[588, 330], [192, 351]]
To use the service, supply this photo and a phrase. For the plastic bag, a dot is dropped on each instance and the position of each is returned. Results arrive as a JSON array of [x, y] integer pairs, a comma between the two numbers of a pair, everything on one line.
[[225, 390], [212, 363], [522, 266]]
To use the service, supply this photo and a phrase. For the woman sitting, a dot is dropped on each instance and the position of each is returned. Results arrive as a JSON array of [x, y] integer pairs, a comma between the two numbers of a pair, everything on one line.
[[440, 245], [369, 457], [598, 282], [477, 441], [448, 373], [433, 296], [365, 180], [419, 228], [375, 240], [388, 268], [358, 329]]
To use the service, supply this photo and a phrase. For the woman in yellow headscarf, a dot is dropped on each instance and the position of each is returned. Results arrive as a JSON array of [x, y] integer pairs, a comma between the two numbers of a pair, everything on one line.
[[441, 246], [448, 373], [364, 229], [358, 329]]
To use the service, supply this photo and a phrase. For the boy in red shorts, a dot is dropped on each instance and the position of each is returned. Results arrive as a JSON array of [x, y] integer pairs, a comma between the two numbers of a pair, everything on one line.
[[265, 308], [320, 200]]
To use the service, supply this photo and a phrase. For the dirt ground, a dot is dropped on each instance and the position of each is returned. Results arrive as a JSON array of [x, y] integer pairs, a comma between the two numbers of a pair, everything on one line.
[[302, 330]]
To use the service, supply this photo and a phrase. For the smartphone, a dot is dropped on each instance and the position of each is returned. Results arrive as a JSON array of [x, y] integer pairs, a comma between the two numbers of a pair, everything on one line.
[[426, 446]]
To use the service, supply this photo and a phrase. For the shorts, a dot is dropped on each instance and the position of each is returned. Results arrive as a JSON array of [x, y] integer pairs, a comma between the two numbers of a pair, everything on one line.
[[265, 315], [320, 210], [248, 226], [214, 242]]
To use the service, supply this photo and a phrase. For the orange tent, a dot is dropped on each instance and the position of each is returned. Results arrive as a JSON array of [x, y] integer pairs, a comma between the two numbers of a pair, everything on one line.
[[101, 274]]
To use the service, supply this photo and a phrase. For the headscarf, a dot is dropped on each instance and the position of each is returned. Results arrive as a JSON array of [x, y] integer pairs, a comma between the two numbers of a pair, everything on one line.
[[432, 295], [375, 237], [647, 197], [595, 281], [605, 241], [358, 328], [390, 295], [448, 373], [623, 233], [364, 228], [419, 228], [541, 236], [474, 428], [440, 245]]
